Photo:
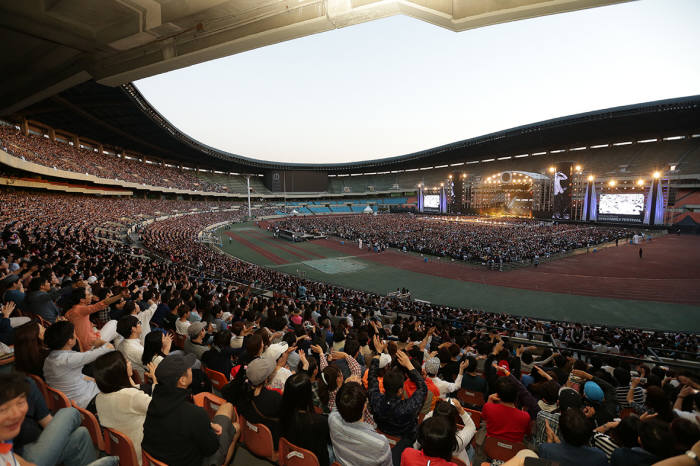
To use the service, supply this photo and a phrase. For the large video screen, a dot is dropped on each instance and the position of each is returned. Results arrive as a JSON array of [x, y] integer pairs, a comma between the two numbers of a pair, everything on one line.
[[621, 204], [431, 201]]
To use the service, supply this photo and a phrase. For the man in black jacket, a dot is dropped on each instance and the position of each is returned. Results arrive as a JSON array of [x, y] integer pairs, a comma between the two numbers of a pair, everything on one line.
[[180, 433]]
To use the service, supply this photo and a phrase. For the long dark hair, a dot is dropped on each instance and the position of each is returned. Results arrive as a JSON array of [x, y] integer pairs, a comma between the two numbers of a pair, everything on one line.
[[297, 400], [30, 351], [110, 372], [446, 409], [437, 437], [327, 383], [152, 346]]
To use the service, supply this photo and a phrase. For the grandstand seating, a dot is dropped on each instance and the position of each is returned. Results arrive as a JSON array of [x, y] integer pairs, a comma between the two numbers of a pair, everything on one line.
[[232, 183], [319, 210]]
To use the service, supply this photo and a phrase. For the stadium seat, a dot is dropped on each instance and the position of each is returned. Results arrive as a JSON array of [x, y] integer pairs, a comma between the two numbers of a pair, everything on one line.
[[470, 398], [57, 400], [89, 421], [500, 449], [210, 402], [475, 415], [118, 444], [41, 385], [148, 460], [179, 340], [258, 440], [458, 461], [292, 455], [218, 380], [625, 412]]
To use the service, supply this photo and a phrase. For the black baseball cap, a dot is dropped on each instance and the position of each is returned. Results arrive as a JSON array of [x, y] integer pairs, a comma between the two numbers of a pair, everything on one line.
[[173, 367]]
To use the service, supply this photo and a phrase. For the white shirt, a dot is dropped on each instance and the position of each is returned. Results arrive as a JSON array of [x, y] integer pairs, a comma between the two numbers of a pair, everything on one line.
[[125, 411], [132, 349], [182, 326], [447, 387], [357, 442], [63, 371], [145, 319]]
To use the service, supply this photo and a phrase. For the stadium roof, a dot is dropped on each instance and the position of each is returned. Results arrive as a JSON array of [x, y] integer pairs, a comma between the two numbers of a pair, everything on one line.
[[122, 118], [50, 46]]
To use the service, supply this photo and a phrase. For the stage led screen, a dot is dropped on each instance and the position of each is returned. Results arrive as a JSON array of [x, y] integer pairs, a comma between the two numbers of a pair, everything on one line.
[[621, 204], [431, 201]]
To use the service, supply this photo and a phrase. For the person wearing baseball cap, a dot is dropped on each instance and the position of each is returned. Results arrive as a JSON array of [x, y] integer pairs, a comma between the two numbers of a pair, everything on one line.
[[261, 404], [195, 344], [179, 433]]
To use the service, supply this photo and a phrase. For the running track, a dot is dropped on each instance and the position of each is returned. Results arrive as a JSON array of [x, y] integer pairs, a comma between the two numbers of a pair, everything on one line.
[[668, 272], [263, 252]]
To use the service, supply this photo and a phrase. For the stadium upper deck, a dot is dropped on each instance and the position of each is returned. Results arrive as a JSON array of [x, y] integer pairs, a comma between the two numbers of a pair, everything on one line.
[[122, 119]]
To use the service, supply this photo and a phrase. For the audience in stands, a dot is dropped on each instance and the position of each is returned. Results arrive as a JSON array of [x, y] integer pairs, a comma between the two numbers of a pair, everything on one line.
[[65, 156], [293, 355]]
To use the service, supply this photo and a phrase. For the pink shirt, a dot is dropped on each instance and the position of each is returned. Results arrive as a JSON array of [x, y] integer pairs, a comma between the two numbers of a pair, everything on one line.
[[79, 315]]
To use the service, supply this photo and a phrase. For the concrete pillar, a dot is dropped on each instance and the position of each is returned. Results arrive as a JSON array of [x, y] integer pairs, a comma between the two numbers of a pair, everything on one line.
[[52, 134], [25, 127]]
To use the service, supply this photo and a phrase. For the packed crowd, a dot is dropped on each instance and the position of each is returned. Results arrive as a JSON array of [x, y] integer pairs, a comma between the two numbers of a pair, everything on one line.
[[336, 371], [506, 239], [62, 156]]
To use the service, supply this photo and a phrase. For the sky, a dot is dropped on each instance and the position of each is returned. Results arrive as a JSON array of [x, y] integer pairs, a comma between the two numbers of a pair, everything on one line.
[[399, 85]]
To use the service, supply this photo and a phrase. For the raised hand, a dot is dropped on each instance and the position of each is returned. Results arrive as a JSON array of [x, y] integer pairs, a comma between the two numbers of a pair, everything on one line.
[[167, 343], [404, 360], [8, 309]]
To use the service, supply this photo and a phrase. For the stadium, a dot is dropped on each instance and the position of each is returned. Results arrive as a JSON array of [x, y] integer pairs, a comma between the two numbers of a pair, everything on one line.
[[527, 292]]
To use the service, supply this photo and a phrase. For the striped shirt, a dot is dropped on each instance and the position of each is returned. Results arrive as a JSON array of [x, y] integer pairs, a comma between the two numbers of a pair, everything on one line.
[[541, 427], [605, 443], [640, 396]]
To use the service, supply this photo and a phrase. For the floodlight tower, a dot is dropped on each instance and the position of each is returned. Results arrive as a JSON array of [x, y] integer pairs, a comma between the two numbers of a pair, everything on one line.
[[247, 179]]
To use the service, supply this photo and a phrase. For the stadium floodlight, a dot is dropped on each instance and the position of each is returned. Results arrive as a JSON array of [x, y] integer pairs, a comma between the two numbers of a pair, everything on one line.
[[657, 175], [450, 176], [640, 182], [591, 177], [552, 169], [578, 168], [612, 183]]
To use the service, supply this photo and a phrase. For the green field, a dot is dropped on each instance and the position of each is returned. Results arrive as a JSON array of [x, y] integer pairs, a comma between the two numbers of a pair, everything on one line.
[[358, 273]]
